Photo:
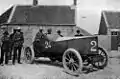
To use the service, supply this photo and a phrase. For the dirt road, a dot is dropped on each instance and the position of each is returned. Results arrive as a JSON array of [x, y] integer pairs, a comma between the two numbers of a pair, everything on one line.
[[47, 70]]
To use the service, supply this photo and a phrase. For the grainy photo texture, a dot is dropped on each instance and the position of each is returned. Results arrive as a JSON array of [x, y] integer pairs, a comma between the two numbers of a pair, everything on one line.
[[59, 39]]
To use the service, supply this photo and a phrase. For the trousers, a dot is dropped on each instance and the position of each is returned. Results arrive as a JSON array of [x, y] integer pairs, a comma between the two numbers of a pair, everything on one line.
[[17, 52], [6, 53]]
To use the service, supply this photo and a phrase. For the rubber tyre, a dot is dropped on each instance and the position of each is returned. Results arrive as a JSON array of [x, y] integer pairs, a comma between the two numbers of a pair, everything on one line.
[[106, 61], [79, 59], [30, 51]]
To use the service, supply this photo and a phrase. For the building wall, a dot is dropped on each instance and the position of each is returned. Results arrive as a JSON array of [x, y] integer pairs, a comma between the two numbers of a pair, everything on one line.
[[105, 41]]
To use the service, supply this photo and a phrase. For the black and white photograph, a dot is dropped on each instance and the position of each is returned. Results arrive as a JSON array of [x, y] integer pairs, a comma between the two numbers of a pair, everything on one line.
[[59, 39]]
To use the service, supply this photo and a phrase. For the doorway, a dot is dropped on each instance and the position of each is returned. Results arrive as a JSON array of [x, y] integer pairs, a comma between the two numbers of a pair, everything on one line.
[[114, 40]]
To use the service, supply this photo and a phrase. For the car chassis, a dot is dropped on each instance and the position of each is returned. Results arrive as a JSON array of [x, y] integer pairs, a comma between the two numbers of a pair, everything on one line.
[[71, 51]]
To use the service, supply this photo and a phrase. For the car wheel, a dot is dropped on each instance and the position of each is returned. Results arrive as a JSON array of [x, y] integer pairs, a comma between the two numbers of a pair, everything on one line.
[[72, 61], [28, 55], [103, 60]]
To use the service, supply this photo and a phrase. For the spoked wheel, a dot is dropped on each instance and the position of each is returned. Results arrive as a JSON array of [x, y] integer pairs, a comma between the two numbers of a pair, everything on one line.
[[103, 59], [72, 61], [28, 54]]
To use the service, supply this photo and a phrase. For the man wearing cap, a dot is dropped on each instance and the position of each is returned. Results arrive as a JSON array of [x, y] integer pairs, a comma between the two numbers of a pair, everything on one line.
[[18, 40], [5, 47], [39, 35], [59, 33], [78, 33], [39, 40]]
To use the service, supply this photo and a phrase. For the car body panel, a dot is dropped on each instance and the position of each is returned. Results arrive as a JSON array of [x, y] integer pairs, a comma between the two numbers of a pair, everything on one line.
[[84, 45]]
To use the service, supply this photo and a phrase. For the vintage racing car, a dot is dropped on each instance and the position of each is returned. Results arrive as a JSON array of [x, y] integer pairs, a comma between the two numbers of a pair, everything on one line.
[[71, 51]]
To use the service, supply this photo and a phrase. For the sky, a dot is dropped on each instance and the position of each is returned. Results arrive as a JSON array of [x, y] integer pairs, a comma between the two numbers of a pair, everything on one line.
[[89, 9]]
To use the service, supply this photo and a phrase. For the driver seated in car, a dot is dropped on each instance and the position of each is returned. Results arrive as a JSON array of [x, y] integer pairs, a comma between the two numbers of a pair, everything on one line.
[[39, 40], [78, 33], [59, 33], [50, 36], [40, 35]]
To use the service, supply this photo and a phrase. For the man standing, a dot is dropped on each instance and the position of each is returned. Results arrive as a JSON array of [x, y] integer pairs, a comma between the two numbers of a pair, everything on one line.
[[11, 43], [18, 40], [5, 47]]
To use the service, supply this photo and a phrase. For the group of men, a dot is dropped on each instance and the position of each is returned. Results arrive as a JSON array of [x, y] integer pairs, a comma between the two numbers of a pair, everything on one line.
[[14, 43], [49, 36], [11, 43]]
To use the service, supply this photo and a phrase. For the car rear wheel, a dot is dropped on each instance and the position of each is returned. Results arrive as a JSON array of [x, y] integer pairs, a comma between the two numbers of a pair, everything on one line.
[[28, 55], [72, 61], [103, 61]]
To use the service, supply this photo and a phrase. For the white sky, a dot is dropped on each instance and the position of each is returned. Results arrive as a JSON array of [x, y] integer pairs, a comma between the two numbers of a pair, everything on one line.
[[91, 9]]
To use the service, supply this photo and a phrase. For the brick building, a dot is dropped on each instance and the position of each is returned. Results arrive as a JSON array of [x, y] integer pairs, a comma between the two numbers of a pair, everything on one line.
[[30, 18], [110, 26]]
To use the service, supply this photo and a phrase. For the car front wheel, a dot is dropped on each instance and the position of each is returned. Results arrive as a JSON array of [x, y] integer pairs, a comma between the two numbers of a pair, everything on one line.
[[28, 55], [72, 61]]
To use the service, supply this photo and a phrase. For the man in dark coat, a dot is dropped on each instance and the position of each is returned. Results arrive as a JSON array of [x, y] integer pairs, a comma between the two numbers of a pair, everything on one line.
[[11, 43], [39, 41], [18, 40], [78, 33], [39, 35], [5, 47]]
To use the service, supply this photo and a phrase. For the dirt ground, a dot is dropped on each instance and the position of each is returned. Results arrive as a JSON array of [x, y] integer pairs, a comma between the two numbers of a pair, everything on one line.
[[44, 69]]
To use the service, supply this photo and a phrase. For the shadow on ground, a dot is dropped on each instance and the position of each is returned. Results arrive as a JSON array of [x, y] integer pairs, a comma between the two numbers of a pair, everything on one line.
[[85, 70], [50, 63]]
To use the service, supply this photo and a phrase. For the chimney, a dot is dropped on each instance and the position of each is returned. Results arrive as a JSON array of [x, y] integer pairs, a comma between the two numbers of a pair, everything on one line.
[[75, 2], [75, 5], [35, 2]]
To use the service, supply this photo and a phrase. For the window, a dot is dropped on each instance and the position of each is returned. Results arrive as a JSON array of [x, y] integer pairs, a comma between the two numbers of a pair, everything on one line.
[[114, 33]]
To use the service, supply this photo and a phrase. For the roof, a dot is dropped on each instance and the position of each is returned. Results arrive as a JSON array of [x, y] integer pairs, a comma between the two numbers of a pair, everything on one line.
[[103, 26], [109, 19], [5, 16], [112, 19], [44, 15]]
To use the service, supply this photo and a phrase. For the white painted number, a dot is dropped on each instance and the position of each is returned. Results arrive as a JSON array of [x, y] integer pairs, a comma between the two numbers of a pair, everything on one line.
[[93, 43], [47, 44]]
